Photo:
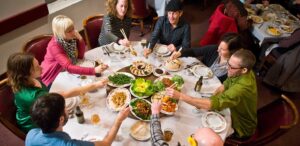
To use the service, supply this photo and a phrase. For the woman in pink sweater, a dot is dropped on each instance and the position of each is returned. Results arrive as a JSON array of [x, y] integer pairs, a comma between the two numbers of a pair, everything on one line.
[[63, 51]]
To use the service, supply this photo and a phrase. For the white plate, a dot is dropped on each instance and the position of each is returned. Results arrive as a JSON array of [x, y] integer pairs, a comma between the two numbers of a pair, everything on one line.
[[118, 48], [201, 70], [162, 50], [124, 85], [135, 94], [110, 103], [86, 63], [131, 109], [166, 112], [71, 103], [214, 121], [140, 131]]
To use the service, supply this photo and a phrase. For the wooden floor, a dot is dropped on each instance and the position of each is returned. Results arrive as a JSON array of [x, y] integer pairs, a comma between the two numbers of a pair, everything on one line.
[[198, 18]]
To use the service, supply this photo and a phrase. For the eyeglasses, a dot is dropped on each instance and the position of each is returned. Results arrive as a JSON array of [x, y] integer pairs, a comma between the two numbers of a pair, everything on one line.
[[230, 67], [192, 141]]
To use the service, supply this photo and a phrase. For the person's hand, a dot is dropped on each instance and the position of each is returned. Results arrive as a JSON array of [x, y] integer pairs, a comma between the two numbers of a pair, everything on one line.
[[102, 82], [147, 52], [219, 90], [101, 68], [175, 55], [123, 114], [155, 107], [171, 48], [77, 35], [124, 42], [173, 93]]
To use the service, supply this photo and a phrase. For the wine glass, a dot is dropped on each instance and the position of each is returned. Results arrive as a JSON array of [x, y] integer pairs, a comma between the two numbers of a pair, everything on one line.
[[143, 43]]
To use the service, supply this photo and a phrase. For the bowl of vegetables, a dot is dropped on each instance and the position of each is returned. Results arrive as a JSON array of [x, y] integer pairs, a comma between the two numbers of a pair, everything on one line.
[[141, 109], [120, 79], [141, 88]]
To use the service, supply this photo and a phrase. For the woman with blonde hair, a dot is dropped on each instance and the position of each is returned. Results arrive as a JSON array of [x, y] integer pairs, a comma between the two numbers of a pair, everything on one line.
[[63, 51], [23, 72], [118, 17]]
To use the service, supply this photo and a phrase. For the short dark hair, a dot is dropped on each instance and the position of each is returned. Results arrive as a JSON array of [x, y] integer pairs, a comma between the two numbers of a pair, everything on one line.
[[247, 58], [47, 110], [233, 40], [174, 5]]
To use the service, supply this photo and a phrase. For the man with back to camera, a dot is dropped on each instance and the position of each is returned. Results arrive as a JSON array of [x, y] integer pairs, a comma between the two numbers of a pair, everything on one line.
[[48, 112]]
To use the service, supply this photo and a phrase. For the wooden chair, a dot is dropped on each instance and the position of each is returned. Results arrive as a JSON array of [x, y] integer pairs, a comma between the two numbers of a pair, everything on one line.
[[92, 28], [8, 110], [38, 46], [274, 120], [140, 12]]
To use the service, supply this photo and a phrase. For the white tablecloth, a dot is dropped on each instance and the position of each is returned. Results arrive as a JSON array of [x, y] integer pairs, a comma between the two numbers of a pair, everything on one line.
[[184, 122], [259, 30]]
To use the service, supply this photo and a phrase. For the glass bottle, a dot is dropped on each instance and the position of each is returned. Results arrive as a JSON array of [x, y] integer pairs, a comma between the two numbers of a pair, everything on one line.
[[198, 84], [79, 115]]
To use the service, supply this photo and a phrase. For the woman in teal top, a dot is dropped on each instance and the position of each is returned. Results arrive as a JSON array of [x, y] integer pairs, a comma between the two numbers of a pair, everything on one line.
[[23, 72]]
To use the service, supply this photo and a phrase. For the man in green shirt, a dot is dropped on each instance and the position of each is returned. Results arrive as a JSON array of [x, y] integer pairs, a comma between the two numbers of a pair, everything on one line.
[[238, 93]]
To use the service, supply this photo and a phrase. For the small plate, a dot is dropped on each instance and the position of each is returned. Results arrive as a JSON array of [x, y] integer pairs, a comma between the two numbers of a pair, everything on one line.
[[159, 72], [201, 70], [256, 19], [118, 48], [162, 50], [286, 28], [71, 103], [214, 120], [124, 85], [175, 62], [273, 31], [109, 101], [140, 131]]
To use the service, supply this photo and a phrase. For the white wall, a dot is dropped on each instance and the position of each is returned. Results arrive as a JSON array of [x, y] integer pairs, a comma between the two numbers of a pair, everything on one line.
[[13, 41]]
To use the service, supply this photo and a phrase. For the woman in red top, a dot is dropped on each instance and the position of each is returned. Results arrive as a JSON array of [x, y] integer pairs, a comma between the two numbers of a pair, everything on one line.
[[63, 51]]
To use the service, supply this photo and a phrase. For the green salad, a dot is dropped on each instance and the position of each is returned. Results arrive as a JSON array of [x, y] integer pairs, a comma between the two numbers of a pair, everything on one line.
[[142, 87], [120, 79]]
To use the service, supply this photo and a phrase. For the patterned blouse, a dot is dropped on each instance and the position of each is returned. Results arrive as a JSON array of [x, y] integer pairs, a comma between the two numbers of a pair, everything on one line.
[[157, 137]]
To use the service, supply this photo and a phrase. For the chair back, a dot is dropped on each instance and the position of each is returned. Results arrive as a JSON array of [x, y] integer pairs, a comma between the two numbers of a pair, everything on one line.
[[92, 28], [8, 109], [38, 46], [274, 120], [8, 138]]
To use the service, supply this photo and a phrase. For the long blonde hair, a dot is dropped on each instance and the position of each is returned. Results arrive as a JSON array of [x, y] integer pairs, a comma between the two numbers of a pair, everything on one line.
[[60, 25]]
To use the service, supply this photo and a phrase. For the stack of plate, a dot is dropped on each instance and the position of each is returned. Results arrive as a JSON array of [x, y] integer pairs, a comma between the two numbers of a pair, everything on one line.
[[162, 50], [140, 131], [201, 70]]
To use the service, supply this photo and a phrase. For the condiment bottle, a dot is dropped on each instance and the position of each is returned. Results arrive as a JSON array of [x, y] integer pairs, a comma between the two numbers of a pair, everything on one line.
[[79, 115], [198, 84]]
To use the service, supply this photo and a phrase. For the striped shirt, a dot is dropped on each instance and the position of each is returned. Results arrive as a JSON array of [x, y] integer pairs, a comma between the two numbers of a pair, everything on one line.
[[110, 31], [157, 138]]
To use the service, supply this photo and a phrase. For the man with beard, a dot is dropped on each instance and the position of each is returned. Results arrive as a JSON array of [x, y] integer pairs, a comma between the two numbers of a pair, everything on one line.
[[238, 93], [48, 112]]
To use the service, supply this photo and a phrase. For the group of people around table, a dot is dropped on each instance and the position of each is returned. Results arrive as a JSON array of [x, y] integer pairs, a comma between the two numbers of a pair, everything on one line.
[[42, 114]]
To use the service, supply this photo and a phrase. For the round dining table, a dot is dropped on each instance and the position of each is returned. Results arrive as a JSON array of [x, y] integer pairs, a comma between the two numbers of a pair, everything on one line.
[[184, 122]]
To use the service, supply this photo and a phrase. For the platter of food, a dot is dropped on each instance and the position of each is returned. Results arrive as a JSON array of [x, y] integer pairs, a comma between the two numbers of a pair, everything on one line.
[[120, 79], [141, 109], [256, 19], [169, 80], [140, 131], [271, 30], [141, 68], [141, 88], [173, 65], [118, 99], [201, 70], [168, 105]]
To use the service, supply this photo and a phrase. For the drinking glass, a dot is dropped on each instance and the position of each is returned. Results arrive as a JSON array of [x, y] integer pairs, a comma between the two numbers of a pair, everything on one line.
[[168, 134], [95, 119], [143, 43]]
